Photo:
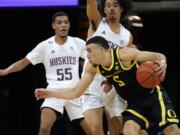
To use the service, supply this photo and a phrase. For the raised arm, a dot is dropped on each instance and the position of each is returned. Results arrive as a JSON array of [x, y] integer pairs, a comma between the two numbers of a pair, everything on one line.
[[80, 88], [94, 16], [92, 12], [15, 67]]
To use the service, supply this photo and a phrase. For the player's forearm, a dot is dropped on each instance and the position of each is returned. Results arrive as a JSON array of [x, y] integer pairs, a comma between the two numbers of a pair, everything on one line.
[[91, 2], [150, 56], [17, 66], [159, 57], [93, 12], [90, 6], [71, 94], [13, 68], [163, 58]]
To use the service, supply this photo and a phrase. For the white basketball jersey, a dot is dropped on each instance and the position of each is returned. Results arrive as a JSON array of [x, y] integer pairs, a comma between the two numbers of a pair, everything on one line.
[[114, 40], [61, 61], [121, 39]]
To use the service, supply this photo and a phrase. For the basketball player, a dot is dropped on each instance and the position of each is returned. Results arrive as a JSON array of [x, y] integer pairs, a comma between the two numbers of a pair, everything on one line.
[[117, 35], [60, 55], [119, 67]]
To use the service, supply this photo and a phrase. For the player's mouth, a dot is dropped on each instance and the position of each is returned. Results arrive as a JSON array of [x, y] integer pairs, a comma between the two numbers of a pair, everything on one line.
[[63, 30]]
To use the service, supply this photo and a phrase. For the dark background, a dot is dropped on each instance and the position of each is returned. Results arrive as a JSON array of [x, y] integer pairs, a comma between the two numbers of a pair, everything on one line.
[[21, 29]]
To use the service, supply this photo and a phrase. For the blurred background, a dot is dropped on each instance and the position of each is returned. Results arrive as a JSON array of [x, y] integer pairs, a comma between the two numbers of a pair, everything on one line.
[[155, 26]]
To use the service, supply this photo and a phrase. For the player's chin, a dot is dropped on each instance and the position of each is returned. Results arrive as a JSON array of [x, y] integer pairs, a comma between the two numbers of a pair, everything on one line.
[[112, 17], [63, 35], [91, 62]]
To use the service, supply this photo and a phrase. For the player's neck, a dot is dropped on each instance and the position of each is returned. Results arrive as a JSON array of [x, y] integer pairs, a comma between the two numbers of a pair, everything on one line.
[[60, 40], [114, 25]]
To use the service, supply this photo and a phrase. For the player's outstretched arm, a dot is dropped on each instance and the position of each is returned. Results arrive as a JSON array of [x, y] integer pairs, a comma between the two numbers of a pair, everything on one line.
[[15, 67], [87, 78]]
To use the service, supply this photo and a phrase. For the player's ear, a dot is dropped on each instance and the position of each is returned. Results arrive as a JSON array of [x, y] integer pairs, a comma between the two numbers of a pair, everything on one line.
[[105, 10], [53, 25], [69, 24], [102, 49]]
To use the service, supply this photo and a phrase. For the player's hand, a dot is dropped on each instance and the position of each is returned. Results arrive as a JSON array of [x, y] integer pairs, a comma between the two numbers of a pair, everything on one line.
[[161, 70], [106, 86], [3, 72], [41, 93]]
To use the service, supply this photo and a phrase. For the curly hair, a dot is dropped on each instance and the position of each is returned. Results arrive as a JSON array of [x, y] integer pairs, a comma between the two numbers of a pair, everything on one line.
[[126, 5]]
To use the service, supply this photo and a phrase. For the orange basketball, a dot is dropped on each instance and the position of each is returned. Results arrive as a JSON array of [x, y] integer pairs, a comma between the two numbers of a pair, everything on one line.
[[147, 76]]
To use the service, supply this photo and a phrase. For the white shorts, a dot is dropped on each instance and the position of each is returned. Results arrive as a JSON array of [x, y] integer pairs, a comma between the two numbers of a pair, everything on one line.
[[114, 103], [90, 101], [111, 101], [73, 107], [93, 98], [96, 98]]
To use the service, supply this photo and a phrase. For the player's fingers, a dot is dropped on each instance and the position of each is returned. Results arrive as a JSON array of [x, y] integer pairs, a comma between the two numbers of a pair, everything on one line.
[[38, 93], [161, 70], [163, 75], [37, 96]]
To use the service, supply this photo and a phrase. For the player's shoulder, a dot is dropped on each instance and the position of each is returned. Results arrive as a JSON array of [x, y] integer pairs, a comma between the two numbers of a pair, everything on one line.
[[103, 20], [128, 51], [103, 23], [76, 39], [123, 29], [47, 41]]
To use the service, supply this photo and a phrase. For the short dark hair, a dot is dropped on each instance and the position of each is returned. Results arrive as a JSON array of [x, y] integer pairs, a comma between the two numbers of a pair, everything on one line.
[[58, 14], [100, 41]]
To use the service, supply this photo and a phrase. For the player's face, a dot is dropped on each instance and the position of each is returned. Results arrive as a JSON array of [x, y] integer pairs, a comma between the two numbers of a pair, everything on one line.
[[61, 26], [94, 54], [112, 10]]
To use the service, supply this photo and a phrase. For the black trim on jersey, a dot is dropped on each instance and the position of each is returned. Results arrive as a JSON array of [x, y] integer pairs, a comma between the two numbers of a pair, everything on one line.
[[124, 78]]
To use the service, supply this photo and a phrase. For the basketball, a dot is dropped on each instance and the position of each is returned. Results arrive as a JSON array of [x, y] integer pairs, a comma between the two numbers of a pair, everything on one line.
[[147, 76]]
